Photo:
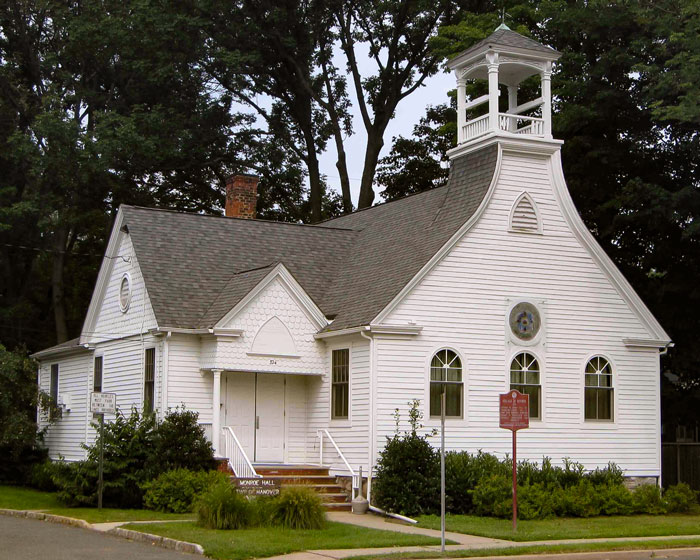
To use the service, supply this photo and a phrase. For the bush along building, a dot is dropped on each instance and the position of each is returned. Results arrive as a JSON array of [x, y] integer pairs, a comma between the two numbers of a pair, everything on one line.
[[297, 343]]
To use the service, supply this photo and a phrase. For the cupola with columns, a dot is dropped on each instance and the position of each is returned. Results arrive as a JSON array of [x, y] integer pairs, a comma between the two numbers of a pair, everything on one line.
[[508, 58]]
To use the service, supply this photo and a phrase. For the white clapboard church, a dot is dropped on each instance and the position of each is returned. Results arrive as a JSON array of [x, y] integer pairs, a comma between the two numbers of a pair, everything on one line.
[[297, 343]]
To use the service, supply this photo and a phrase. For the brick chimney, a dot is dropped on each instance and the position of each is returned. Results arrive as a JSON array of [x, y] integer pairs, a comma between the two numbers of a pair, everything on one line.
[[241, 196]]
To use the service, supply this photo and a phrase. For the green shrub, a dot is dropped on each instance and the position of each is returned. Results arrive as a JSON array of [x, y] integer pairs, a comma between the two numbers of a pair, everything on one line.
[[221, 507], [175, 491], [408, 476], [616, 499], [179, 443], [463, 471], [610, 475], [647, 499], [135, 452], [535, 502], [299, 508], [681, 498], [43, 475], [493, 496]]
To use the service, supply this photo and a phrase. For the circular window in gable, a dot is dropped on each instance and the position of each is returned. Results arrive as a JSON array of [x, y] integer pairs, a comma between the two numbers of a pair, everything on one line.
[[125, 293], [525, 321]]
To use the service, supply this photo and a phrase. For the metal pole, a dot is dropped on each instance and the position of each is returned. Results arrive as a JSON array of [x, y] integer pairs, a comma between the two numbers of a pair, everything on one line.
[[102, 459], [442, 471], [515, 483]]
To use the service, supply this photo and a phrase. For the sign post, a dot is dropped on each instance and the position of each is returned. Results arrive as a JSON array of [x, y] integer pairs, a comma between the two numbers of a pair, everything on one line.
[[514, 408], [442, 470], [101, 403]]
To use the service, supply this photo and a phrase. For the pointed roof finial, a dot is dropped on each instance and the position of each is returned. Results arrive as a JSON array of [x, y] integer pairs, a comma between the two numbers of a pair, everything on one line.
[[503, 21], [502, 26]]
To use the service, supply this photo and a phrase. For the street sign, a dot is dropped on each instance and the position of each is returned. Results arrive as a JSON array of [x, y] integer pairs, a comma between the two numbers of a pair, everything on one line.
[[514, 410], [103, 403], [257, 486]]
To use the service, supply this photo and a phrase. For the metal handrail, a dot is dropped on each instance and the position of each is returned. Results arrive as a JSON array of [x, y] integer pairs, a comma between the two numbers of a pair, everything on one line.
[[237, 458], [355, 479]]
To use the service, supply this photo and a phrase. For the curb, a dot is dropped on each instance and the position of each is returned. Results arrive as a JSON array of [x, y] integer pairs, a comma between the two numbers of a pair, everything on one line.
[[46, 517], [156, 540], [163, 542]]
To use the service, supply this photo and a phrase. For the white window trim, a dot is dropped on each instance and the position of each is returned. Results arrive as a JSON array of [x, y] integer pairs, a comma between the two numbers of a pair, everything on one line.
[[541, 421], [598, 424], [511, 229], [124, 308], [434, 421], [339, 422]]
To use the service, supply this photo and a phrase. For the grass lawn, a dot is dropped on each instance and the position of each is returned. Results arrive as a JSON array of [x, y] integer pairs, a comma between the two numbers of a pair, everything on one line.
[[15, 497], [271, 541], [569, 528], [542, 549]]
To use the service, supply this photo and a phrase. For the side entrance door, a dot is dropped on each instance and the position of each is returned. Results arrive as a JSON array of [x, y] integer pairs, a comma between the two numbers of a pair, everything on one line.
[[254, 408]]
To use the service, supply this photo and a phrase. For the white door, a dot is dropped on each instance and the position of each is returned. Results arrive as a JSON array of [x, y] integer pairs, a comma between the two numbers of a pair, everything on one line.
[[239, 409], [269, 438]]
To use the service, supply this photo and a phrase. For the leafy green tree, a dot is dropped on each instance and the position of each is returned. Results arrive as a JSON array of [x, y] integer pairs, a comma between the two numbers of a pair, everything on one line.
[[20, 399]]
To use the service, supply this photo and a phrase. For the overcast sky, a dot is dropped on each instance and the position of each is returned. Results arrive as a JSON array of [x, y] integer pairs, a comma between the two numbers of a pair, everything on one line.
[[408, 113]]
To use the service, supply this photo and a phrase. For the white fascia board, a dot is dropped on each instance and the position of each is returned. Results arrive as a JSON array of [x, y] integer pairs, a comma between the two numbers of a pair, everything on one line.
[[160, 331], [341, 332], [646, 343], [62, 352], [103, 277], [508, 141], [460, 61], [605, 263], [298, 293], [396, 330], [446, 248]]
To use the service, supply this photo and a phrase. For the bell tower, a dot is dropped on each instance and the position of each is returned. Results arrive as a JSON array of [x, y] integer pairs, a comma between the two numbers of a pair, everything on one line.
[[504, 57]]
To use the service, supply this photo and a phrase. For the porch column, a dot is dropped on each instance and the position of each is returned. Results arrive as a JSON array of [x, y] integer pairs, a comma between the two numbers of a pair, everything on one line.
[[492, 59], [216, 411], [461, 110], [512, 105], [547, 99]]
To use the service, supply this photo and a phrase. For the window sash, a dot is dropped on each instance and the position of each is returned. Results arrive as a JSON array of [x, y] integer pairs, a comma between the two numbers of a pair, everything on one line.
[[535, 393], [598, 403], [97, 375], [340, 384], [453, 399], [53, 390], [149, 379]]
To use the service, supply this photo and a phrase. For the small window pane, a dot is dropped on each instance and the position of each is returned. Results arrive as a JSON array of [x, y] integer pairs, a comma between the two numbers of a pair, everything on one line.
[[598, 392]]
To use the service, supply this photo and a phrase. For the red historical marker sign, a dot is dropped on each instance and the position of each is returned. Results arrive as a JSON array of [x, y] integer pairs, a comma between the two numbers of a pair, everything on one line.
[[515, 410]]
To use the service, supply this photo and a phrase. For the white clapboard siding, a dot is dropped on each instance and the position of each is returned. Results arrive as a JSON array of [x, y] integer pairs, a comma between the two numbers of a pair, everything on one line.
[[65, 435], [295, 418], [111, 322], [352, 436], [188, 386], [462, 304]]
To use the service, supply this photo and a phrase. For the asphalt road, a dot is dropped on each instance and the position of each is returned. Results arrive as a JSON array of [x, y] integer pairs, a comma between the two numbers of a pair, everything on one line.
[[29, 539]]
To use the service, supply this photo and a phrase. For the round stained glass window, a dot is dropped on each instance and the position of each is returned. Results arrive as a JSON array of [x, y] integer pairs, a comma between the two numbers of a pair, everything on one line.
[[525, 321], [124, 294]]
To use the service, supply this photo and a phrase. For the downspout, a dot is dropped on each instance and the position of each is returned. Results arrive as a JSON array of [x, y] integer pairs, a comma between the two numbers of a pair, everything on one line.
[[372, 414]]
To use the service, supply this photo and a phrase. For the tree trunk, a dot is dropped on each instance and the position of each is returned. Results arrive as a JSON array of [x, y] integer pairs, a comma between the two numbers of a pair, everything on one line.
[[342, 167], [57, 283], [315, 187], [375, 142]]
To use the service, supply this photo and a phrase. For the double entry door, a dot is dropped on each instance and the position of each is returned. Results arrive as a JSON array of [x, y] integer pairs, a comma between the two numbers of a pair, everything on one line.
[[254, 408]]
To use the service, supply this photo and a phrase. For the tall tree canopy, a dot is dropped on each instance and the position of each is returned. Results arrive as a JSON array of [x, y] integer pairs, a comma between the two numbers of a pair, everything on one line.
[[627, 107]]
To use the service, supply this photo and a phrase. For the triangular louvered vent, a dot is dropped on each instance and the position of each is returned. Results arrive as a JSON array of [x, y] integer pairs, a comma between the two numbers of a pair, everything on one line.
[[524, 217]]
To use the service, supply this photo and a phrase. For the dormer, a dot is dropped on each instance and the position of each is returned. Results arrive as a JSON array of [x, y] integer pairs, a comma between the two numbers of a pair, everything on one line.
[[508, 58]]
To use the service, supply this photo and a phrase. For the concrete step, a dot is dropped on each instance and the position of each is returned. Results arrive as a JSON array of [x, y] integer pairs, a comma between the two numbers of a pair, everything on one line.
[[337, 506], [290, 470]]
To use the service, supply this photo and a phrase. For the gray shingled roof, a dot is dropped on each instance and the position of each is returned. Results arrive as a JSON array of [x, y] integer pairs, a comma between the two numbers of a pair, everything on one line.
[[509, 38], [197, 267], [68, 346]]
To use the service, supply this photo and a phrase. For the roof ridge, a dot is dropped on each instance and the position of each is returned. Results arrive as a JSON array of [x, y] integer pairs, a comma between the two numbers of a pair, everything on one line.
[[254, 220]]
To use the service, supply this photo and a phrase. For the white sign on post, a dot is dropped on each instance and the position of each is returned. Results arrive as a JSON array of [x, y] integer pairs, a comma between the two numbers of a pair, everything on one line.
[[103, 403]]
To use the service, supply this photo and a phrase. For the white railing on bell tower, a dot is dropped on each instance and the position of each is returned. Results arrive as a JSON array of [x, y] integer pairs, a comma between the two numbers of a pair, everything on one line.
[[505, 58]]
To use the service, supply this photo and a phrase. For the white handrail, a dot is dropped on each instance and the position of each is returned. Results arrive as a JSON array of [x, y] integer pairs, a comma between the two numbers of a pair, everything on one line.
[[237, 458], [532, 126], [475, 127], [355, 479]]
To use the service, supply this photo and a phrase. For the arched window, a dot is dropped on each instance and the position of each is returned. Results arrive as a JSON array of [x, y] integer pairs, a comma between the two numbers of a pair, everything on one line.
[[525, 377], [446, 373], [599, 389]]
